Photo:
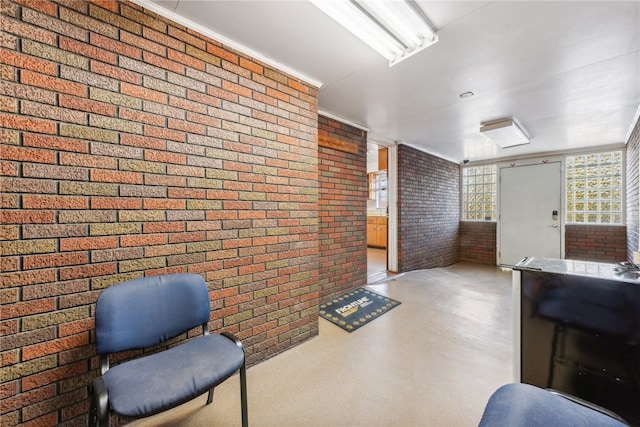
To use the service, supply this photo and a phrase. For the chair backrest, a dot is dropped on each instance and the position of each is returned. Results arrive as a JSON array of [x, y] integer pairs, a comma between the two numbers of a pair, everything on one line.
[[147, 311]]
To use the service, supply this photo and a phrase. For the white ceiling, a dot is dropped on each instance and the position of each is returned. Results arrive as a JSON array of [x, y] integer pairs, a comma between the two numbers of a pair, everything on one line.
[[569, 71]]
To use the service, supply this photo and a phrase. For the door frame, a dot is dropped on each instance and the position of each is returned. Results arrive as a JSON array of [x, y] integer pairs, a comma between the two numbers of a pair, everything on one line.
[[392, 203], [563, 185]]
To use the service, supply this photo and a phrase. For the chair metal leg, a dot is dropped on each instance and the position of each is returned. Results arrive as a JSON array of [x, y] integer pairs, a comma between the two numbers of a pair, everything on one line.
[[99, 401], [210, 398], [243, 380], [243, 395]]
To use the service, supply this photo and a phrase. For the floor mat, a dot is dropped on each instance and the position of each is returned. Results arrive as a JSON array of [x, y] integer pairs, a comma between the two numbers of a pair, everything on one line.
[[356, 308]]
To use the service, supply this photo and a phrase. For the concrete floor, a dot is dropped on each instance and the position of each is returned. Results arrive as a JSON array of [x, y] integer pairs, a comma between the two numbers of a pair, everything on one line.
[[432, 361]]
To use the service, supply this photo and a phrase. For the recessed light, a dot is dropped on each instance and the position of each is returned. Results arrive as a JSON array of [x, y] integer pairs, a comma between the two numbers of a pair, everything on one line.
[[464, 95]]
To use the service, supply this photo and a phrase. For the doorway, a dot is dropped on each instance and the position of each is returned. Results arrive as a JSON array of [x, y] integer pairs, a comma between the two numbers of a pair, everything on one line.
[[530, 212], [377, 212]]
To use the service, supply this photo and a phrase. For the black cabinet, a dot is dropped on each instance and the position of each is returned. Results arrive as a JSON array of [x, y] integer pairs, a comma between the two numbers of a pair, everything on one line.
[[579, 331]]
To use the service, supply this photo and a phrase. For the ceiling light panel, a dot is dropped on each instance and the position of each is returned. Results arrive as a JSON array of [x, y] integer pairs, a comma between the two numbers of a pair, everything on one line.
[[351, 17], [392, 28], [400, 18], [504, 132]]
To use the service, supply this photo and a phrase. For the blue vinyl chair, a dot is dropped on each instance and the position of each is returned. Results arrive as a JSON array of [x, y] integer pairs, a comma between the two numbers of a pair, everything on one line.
[[524, 405], [147, 312]]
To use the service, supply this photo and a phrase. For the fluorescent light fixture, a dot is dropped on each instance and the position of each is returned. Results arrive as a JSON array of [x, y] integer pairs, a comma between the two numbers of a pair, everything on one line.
[[394, 28], [504, 132]]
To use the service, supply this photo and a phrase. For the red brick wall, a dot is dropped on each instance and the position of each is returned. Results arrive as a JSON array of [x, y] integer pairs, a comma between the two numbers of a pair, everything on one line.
[[633, 191], [429, 210], [478, 242], [582, 242], [133, 146], [343, 207], [601, 243]]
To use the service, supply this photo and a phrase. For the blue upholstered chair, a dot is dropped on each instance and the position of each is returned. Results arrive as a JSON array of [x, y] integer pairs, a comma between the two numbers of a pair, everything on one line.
[[524, 405], [146, 312]]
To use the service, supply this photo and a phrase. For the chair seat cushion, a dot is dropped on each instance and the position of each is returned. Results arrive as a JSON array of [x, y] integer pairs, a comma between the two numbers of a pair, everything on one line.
[[523, 405], [161, 381]]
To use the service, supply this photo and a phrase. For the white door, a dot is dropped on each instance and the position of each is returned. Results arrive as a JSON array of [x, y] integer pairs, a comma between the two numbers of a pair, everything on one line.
[[530, 222]]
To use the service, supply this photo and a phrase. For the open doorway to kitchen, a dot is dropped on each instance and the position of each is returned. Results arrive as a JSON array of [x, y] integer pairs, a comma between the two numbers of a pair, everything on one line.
[[377, 212]]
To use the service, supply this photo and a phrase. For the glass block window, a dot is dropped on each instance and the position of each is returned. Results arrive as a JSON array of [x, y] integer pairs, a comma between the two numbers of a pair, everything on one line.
[[594, 188], [479, 189]]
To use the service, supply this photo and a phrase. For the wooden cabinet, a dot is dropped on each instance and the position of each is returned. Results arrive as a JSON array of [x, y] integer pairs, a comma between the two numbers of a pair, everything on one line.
[[383, 159], [371, 232], [377, 231]]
